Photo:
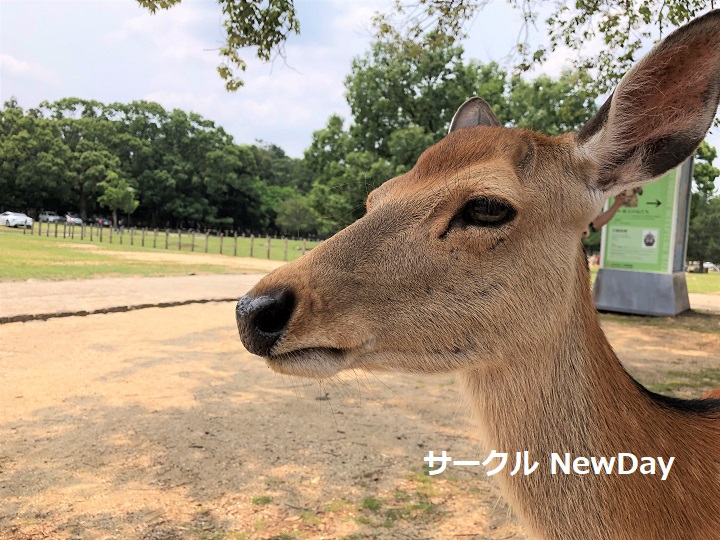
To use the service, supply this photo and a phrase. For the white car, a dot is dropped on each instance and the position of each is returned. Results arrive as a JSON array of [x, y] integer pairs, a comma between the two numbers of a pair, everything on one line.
[[50, 217], [73, 219], [15, 219]]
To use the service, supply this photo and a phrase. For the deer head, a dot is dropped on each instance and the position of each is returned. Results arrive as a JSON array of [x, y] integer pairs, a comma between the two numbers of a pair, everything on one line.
[[473, 258]]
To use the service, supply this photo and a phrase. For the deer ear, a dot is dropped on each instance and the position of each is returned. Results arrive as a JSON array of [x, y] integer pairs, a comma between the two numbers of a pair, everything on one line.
[[661, 110], [474, 112]]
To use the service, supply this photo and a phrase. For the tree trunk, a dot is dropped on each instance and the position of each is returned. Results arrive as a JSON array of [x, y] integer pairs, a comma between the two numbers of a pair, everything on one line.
[[83, 203]]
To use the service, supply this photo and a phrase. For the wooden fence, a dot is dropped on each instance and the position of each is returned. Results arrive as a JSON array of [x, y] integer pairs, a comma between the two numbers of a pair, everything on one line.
[[216, 242]]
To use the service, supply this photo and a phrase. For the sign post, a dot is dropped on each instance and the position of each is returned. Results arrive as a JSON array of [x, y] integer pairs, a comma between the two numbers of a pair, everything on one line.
[[642, 253]]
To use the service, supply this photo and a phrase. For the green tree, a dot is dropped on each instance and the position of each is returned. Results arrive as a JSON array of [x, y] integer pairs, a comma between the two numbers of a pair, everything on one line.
[[403, 95], [185, 170], [551, 106], [33, 161], [704, 229], [399, 84], [704, 173], [264, 25], [117, 194], [623, 27], [296, 216], [704, 233], [90, 164]]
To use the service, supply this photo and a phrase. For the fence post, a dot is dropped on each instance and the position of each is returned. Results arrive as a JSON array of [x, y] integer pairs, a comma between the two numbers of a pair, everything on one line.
[[304, 247], [55, 229], [222, 234], [167, 237], [142, 240], [110, 237], [82, 231], [252, 243], [47, 234], [72, 231], [39, 228], [192, 240], [25, 227], [132, 236], [155, 238], [286, 249], [268, 246], [235, 248], [179, 240], [101, 229]]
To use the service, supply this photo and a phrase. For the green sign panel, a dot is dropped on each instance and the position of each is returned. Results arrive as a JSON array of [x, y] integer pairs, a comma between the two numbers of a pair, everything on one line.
[[639, 237]]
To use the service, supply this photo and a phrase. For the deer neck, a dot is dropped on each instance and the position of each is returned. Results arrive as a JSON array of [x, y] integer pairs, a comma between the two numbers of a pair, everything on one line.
[[574, 396]]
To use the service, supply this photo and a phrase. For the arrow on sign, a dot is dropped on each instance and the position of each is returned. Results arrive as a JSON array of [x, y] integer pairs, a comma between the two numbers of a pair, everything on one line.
[[655, 203]]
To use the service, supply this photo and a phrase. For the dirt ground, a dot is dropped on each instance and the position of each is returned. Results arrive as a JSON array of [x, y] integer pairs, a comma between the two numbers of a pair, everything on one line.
[[156, 424], [238, 264]]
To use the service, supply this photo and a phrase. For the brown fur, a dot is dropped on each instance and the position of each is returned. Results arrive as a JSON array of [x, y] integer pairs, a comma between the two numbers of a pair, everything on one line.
[[510, 310]]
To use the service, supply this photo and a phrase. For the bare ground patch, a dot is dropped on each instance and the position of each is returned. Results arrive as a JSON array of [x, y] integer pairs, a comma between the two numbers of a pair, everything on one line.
[[245, 264], [156, 424]]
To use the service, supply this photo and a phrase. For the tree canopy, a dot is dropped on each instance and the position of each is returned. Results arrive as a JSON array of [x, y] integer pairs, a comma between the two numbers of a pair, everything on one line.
[[83, 155], [263, 25], [176, 168], [621, 27], [704, 233]]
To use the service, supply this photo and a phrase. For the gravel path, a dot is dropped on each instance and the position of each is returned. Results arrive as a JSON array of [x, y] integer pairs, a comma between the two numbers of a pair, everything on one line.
[[39, 299]]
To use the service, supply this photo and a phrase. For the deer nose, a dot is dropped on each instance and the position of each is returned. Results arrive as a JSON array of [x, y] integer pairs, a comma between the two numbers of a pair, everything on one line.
[[262, 321]]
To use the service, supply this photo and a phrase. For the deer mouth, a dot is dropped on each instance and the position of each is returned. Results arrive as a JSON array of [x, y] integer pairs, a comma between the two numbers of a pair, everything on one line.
[[314, 362]]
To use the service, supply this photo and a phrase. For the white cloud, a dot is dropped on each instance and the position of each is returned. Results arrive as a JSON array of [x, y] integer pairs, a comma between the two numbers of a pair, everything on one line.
[[27, 70], [184, 32], [13, 65]]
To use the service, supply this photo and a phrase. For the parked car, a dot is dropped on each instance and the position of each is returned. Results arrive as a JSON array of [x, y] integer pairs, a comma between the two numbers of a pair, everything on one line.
[[73, 219], [694, 266], [50, 217], [15, 219], [99, 221]]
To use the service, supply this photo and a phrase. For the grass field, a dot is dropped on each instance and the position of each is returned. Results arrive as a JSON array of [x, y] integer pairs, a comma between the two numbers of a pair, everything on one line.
[[46, 257], [172, 241]]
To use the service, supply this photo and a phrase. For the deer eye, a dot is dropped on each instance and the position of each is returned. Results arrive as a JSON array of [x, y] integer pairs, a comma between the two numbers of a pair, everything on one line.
[[487, 212]]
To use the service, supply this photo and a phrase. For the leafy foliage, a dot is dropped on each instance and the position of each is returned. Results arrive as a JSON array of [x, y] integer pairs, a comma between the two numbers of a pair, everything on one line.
[[75, 154], [264, 25], [185, 171], [704, 233], [117, 194], [620, 27], [403, 95]]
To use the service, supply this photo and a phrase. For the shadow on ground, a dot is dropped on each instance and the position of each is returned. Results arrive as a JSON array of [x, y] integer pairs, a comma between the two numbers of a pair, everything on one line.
[[156, 424]]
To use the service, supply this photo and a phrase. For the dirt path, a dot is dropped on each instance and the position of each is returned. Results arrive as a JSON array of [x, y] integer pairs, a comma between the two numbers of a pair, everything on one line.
[[42, 299], [157, 425], [23, 300], [243, 264]]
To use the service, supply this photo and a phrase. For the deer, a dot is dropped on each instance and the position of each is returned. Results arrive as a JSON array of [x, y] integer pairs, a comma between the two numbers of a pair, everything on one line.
[[472, 263]]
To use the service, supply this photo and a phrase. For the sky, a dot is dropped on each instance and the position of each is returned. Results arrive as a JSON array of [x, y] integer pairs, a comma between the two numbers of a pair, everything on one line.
[[116, 51]]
